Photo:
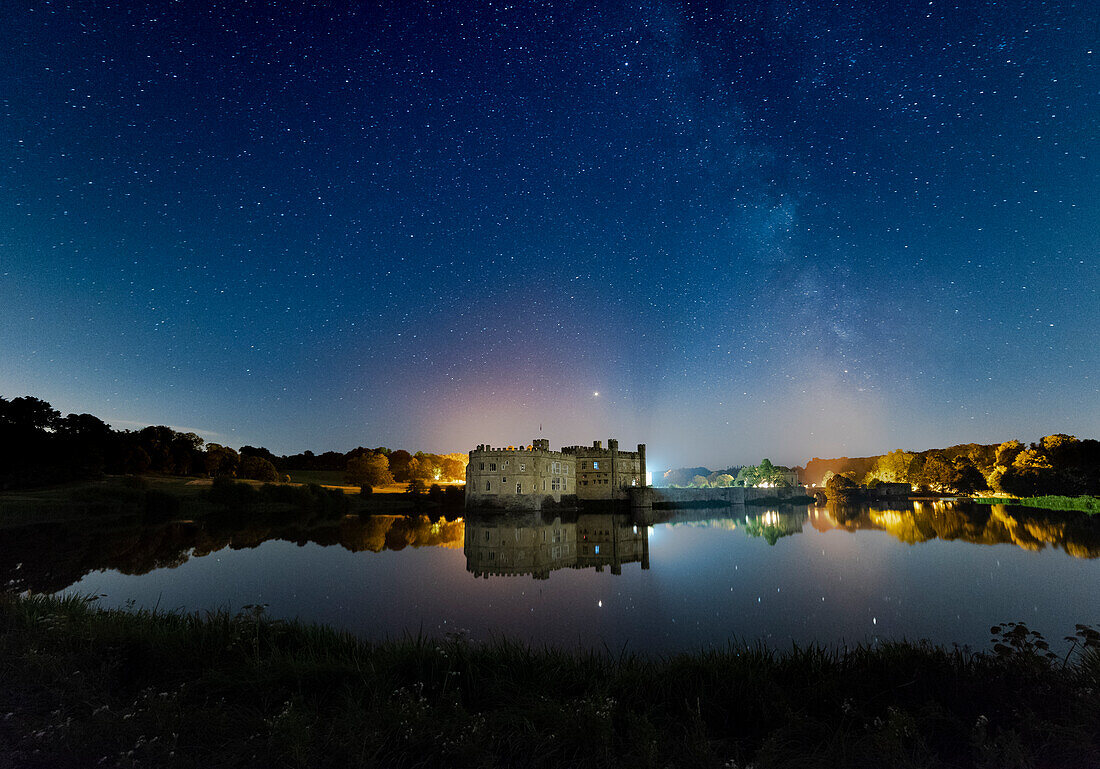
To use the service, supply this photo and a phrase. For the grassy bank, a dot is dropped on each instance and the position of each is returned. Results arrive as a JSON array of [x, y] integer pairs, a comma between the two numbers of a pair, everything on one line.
[[85, 687], [1090, 505], [159, 498]]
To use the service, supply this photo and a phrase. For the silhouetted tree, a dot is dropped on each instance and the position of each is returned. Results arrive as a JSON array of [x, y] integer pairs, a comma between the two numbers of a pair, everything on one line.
[[257, 468], [221, 460]]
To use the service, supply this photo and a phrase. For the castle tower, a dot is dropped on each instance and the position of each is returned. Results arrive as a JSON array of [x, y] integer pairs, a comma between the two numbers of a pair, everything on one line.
[[613, 447], [641, 465]]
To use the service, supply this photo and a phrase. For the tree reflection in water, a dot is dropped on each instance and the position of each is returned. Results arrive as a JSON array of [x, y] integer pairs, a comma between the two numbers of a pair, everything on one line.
[[1028, 528], [51, 557]]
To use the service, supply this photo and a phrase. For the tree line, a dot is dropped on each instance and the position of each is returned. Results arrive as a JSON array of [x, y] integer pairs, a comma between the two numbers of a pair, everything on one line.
[[39, 447], [1056, 465], [747, 475]]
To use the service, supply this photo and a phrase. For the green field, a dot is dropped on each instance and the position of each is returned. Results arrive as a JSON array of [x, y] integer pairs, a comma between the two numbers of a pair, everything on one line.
[[320, 477], [1090, 505]]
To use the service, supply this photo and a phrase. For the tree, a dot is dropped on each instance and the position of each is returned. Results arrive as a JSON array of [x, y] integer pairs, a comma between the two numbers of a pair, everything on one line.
[[723, 480], [699, 482], [257, 469], [892, 467], [1006, 453], [766, 470], [84, 428], [221, 460], [453, 469], [749, 475], [399, 464], [938, 473], [187, 453], [415, 487], [371, 470], [28, 413], [968, 478], [840, 486], [260, 451]]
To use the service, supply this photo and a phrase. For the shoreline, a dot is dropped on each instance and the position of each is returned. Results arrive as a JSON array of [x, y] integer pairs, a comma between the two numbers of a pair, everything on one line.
[[85, 685]]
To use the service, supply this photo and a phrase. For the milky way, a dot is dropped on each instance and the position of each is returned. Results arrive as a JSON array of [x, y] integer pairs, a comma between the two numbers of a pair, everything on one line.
[[783, 229]]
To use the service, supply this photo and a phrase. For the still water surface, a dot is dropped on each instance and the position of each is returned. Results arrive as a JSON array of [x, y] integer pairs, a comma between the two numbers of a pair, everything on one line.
[[684, 581]]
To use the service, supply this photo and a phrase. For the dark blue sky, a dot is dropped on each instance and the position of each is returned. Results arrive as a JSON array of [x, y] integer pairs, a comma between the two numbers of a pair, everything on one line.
[[784, 229]]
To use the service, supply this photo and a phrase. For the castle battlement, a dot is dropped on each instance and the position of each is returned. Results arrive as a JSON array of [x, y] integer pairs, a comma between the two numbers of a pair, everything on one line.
[[529, 477]]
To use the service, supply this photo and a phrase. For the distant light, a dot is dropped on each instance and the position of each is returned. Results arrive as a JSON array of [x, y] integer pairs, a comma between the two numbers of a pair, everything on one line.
[[596, 394]]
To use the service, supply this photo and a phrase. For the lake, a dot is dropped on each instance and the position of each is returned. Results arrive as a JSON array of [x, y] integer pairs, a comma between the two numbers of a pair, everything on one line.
[[682, 580]]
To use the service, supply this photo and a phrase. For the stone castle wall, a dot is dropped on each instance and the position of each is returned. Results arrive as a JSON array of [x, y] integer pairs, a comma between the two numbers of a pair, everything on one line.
[[522, 478], [733, 495], [607, 473], [533, 477]]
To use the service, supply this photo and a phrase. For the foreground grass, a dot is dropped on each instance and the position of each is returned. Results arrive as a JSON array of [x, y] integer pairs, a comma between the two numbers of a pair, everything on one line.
[[1090, 505], [87, 687]]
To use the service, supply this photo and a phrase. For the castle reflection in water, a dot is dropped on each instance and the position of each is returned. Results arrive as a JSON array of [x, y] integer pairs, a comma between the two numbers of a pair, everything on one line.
[[535, 544], [49, 557]]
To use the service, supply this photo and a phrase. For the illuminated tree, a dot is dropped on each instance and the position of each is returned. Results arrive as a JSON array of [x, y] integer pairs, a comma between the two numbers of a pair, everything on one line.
[[840, 486], [371, 470], [968, 478], [892, 467], [749, 475], [1006, 453], [453, 469]]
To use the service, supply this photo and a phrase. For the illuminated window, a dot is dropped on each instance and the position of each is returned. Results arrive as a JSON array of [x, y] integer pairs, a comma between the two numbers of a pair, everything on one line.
[[595, 465], [597, 549]]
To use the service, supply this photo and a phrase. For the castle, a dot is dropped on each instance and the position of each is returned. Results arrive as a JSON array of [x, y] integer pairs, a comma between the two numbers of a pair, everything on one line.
[[526, 478], [534, 544]]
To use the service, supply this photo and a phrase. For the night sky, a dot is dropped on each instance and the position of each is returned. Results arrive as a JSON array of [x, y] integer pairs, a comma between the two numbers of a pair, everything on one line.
[[754, 229]]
